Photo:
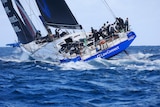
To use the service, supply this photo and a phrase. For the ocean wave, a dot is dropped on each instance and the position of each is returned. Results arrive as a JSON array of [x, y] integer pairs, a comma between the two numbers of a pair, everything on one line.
[[142, 60]]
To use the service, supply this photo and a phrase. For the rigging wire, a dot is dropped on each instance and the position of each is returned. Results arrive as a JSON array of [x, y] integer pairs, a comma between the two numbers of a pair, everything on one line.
[[107, 6], [32, 13]]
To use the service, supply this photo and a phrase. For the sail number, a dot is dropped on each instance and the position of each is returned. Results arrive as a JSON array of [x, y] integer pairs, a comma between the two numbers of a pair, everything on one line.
[[13, 19]]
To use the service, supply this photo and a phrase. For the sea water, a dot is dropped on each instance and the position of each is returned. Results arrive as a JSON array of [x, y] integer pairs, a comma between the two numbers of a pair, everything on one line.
[[125, 80]]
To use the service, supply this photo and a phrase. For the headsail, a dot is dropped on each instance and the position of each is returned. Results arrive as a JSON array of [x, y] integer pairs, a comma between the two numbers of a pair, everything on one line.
[[56, 13], [24, 36], [26, 18]]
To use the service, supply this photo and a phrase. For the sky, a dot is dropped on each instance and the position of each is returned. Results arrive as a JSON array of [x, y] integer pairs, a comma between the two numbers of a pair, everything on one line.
[[144, 18]]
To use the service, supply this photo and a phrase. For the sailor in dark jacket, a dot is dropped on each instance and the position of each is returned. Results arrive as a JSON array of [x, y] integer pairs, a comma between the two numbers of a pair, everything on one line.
[[126, 23], [96, 36]]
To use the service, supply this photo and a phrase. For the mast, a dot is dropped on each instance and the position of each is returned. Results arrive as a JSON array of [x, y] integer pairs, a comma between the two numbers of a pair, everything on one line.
[[46, 26]]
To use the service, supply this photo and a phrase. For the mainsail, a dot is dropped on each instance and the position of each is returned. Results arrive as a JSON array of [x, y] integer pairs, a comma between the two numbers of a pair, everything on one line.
[[56, 13], [23, 34]]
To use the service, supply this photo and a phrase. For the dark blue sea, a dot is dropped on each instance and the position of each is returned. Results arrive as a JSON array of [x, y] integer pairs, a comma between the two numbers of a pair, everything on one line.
[[123, 81]]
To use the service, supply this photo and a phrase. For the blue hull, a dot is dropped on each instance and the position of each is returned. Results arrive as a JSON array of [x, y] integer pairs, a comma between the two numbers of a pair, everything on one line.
[[109, 52]]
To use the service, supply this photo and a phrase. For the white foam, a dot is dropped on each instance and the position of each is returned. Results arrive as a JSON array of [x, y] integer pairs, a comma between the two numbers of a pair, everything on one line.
[[77, 66], [10, 59], [140, 55], [24, 56], [139, 61]]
